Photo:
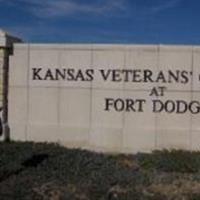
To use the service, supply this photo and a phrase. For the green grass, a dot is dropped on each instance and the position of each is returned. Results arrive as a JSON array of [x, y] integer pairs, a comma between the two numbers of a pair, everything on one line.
[[49, 171]]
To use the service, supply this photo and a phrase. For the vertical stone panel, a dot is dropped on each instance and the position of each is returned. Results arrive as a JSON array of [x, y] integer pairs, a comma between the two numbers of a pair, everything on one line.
[[106, 126], [195, 132], [174, 128], [139, 133], [18, 93]]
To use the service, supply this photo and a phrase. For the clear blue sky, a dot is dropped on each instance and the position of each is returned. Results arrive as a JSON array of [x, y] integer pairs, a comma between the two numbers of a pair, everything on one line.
[[103, 21]]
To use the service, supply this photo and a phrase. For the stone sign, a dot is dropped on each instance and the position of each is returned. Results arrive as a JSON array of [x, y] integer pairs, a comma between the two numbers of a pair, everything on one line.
[[116, 98]]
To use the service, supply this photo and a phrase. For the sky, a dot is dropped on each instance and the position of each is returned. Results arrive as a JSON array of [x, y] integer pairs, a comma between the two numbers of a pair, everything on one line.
[[103, 21]]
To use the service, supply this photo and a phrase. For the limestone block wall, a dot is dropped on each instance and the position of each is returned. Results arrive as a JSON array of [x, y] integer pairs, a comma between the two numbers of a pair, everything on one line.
[[1, 75], [6, 43], [126, 98]]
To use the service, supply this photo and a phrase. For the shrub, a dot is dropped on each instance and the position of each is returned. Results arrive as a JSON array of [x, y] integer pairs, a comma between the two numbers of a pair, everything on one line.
[[171, 161], [47, 171]]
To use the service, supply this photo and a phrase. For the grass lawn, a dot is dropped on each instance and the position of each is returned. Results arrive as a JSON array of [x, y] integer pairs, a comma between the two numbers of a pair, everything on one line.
[[42, 171]]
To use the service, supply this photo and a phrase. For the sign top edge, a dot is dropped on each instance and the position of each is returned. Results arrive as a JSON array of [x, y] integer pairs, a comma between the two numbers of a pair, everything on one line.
[[100, 46]]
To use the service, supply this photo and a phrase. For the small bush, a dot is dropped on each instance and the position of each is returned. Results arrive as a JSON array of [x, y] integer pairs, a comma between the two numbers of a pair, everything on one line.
[[171, 161]]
